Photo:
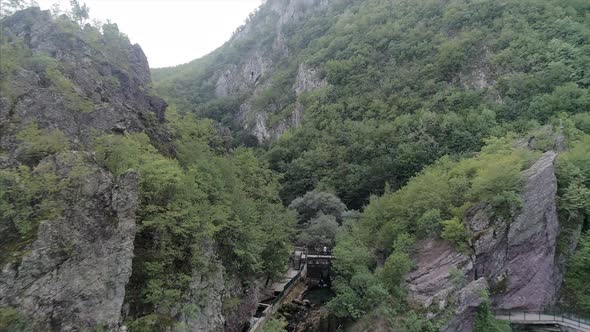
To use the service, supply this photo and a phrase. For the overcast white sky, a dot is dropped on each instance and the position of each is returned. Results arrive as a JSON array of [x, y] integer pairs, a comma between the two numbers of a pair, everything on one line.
[[171, 32]]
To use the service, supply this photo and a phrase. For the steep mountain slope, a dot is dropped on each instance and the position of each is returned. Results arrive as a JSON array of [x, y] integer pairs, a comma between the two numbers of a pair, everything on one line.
[[68, 226], [460, 128], [358, 98], [112, 212], [383, 88]]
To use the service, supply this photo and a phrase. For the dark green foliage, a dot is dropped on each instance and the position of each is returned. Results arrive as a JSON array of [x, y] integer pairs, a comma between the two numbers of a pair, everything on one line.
[[315, 203], [578, 274], [12, 320], [408, 83], [359, 296], [188, 207], [394, 271], [318, 233], [485, 320], [429, 223], [319, 215], [574, 213], [573, 174]]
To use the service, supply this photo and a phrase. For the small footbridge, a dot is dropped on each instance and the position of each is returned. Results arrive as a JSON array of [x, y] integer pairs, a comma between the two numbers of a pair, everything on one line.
[[546, 321]]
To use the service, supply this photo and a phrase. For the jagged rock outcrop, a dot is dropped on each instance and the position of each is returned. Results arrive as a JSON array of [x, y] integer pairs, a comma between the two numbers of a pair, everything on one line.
[[256, 72], [70, 272], [437, 276], [468, 300], [73, 276], [257, 122], [223, 301], [104, 86], [207, 289], [517, 256]]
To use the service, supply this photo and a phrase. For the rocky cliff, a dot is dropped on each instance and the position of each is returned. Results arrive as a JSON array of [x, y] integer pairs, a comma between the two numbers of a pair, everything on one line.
[[257, 73], [68, 241], [71, 79], [73, 275], [514, 258]]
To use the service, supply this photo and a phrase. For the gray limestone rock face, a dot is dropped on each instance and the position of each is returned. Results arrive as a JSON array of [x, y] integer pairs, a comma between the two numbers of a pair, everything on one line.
[[518, 256], [468, 301], [211, 289], [110, 90], [207, 289], [73, 275], [437, 264], [307, 79], [251, 76]]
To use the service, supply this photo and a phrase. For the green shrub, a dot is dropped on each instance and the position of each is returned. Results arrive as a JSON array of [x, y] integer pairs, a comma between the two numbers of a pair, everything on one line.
[[37, 144], [455, 232], [12, 320], [394, 271], [485, 321], [275, 325], [578, 274], [429, 224]]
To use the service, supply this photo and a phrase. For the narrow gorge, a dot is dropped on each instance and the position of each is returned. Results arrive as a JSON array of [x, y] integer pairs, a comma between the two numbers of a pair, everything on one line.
[[336, 165]]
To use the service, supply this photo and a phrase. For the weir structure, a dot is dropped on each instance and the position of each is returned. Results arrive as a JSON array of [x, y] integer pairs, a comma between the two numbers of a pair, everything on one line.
[[311, 267]]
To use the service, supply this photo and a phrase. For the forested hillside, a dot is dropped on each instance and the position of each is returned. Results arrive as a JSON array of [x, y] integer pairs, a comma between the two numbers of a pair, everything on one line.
[[108, 201], [429, 104], [440, 150], [407, 82]]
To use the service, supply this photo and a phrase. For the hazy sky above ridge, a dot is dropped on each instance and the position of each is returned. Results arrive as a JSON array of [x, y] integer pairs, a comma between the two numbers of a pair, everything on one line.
[[171, 32]]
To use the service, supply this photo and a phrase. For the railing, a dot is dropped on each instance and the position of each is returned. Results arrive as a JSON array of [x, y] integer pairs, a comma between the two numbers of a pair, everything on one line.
[[319, 252], [549, 317], [287, 288]]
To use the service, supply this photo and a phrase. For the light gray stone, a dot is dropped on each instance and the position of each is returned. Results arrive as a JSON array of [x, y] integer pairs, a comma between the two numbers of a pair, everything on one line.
[[75, 272]]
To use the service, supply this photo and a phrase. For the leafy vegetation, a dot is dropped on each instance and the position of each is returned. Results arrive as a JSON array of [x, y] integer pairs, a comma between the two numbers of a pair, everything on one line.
[[415, 90], [485, 321], [31, 192], [577, 276], [433, 203], [408, 83], [275, 325], [187, 203], [574, 213], [12, 320]]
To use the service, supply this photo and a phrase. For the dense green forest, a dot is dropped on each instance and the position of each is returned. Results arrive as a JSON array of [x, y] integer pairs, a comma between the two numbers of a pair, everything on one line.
[[409, 82], [202, 207], [415, 90], [422, 117], [201, 202]]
